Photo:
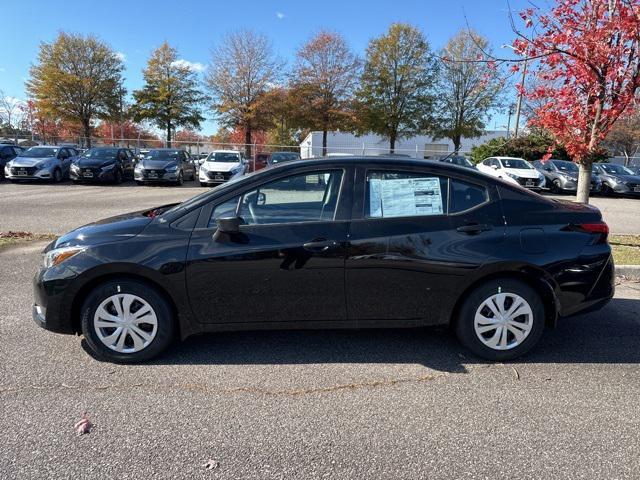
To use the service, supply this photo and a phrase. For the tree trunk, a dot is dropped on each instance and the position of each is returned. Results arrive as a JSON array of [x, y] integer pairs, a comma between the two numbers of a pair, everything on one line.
[[86, 124], [392, 143], [584, 181], [324, 142], [247, 142], [168, 134], [456, 139]]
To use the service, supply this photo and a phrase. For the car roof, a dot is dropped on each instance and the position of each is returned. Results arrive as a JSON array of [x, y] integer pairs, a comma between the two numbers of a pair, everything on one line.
[[50, 146], [224, 151], [509, 158]]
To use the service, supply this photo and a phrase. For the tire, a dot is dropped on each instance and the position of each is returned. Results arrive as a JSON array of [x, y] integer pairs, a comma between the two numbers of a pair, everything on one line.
[[117, 177], [180, 180], [203, 184], [606, 190], [144, 295], [57, 175], [533, 318], [139, 183], [555, 187]]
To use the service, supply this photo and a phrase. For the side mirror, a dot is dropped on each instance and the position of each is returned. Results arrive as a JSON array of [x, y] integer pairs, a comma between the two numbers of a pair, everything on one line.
[[229, 224], [495, 167]]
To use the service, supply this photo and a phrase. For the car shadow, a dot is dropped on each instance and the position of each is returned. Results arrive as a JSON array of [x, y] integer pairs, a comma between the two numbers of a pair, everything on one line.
[[611, 335]]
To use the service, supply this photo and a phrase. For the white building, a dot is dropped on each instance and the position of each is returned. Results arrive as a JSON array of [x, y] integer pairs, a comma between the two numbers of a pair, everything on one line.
[[418, 147]]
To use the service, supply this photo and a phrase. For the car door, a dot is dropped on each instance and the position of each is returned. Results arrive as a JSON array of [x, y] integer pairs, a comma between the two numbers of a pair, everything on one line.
[[286, 263], [414, 234]]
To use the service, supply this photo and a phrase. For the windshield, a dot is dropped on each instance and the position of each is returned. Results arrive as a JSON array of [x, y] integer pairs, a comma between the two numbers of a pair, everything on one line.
[[516, 163], [284, 157], [615, 169], [566, 166], [462, 161], [39, 152], [100, 153], [224, 157], [163, 155]]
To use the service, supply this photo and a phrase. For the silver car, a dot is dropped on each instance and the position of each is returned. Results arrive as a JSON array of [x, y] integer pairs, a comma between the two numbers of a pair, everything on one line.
[[48, 163]]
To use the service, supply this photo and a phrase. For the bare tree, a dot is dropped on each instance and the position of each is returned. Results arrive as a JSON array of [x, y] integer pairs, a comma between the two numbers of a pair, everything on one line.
[[243, 67], [11, 114]]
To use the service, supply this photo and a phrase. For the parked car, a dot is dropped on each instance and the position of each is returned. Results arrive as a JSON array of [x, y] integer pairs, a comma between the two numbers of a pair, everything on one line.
[[634, 168], [513, 170], [165, 165], [221, 166], [458, 160], [394, 155], [281, 157], [617, 180], [260, 161], [103, 164], [7, 153], [49, 163], [562, 176], [431, 244]]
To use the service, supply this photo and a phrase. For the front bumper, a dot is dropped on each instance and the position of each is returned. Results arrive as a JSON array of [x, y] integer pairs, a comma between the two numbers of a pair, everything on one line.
[[92, 175], [156, 176], [50, 309], [28, 173], [214, 178]]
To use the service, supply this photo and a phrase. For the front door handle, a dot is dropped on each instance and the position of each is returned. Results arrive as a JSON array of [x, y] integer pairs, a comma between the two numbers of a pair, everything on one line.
[[320, 245], [474, 228]]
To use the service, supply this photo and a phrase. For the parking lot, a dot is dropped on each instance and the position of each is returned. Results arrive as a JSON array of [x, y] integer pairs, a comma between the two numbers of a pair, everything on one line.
[[317, 404]]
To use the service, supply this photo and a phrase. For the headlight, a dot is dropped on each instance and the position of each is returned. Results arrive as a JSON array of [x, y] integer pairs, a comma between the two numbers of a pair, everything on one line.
[[515, 177], [58, 255], [75, 167], [172, 168], [41, 165], [108, 167], [203, 166], [138, 168]]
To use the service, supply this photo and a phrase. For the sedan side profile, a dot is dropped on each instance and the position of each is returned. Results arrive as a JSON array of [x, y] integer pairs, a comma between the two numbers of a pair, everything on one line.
[[48, 163], [513, 170], [351, 242]]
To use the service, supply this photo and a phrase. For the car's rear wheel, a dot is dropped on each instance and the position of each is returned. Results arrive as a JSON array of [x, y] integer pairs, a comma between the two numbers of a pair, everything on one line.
[[501, 320], [126, 321]]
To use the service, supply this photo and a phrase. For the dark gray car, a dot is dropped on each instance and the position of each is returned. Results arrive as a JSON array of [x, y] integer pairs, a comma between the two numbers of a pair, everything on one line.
[[617, 180], [7, 153], [165, 165], [48, 163], [562, 176]]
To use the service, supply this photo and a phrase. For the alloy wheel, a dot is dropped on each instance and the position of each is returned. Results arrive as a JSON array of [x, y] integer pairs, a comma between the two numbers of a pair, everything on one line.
[[125, 323], [503, 321]]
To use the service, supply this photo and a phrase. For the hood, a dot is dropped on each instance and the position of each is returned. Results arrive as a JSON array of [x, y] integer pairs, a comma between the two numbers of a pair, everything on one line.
[[625, 178], [113, 229], [220, 166], [157, 164], [94, 162], [523, 172], [30, 161]]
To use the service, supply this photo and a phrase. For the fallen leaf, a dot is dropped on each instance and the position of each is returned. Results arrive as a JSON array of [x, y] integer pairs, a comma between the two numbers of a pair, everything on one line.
[[83, 426], [212, 465]]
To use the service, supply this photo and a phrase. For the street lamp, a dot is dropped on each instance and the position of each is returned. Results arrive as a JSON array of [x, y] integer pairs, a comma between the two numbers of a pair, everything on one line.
[[520, 92]]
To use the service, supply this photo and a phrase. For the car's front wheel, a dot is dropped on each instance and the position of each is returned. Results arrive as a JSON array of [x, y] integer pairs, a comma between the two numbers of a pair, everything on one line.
[[127, 321], [57, 175], [501, 320]]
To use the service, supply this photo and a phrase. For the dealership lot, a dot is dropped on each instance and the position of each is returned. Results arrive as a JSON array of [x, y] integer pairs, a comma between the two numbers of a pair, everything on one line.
[[337, 404], [58, 208]]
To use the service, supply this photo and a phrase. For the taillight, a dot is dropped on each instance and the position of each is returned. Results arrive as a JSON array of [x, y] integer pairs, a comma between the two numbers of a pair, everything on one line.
[[600, 230]]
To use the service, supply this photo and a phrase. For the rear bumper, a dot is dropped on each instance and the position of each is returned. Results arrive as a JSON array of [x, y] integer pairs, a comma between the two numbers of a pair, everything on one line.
[[602, 290]]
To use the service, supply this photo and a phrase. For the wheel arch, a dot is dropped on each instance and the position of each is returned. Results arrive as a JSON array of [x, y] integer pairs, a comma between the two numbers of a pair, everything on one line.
[[83, 292], [530, 276]]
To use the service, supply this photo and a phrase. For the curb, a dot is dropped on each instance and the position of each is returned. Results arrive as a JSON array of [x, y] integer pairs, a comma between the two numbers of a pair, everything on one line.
[[628, 271]]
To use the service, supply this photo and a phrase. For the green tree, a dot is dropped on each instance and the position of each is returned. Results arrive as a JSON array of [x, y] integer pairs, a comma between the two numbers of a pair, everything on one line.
[[396, 97], [243, 68], [325, 78], [170, 97], [532, 146], [468, 88], [76, 78]]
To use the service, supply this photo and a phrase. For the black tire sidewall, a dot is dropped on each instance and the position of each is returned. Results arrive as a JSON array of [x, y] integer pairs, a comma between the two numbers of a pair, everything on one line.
[[166, 324], [465, 321]]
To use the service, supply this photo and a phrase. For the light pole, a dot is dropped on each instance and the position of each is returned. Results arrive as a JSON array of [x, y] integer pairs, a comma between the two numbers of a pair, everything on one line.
[[520, 92]]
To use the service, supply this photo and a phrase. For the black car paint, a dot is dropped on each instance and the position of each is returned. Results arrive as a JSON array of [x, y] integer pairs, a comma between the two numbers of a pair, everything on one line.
[[125, 164], [409, 271], [7, 153]]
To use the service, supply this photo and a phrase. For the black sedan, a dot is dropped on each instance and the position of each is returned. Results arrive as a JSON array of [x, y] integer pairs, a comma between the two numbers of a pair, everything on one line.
[[103, 164], [331, 243]]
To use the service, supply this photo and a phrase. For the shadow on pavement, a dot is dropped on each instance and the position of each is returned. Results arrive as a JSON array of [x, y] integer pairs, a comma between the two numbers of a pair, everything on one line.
[[609, 336]]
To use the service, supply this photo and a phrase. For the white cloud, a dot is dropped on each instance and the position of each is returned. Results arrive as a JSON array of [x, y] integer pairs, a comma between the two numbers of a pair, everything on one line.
[[193, 66], [280, 15], [121, 56]]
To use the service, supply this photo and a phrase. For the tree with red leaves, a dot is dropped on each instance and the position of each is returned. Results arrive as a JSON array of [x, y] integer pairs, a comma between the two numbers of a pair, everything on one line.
[[587, 67]]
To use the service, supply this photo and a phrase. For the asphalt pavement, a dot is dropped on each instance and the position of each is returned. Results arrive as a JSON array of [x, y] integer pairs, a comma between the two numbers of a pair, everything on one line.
[[58, 208], [401, 404]]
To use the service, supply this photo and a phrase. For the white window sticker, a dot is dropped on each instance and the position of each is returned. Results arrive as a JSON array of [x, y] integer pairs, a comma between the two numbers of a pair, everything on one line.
[[405, 197]]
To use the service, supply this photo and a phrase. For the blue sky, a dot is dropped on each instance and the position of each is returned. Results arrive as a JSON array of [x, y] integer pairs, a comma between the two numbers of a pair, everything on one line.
[[135, 28]]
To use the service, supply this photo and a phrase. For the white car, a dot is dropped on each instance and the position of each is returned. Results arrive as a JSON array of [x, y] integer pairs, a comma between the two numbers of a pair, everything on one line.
[[513, 170], [221, 166]]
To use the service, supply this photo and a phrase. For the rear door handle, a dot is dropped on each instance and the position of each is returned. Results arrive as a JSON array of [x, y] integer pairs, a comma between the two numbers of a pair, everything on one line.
[[320, 245], [474, 228]]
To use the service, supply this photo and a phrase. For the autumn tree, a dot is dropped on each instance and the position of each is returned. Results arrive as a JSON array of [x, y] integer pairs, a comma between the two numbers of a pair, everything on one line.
[[624, 138], [242, 69], [587, 63], [325, 78], [396, 94], [76, 79], [468, 88], [281, 106], [171, 96]]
